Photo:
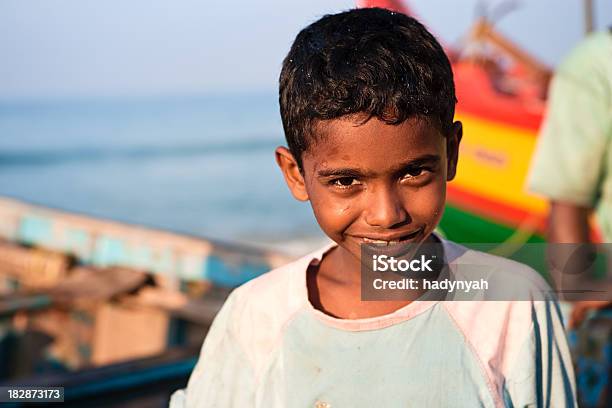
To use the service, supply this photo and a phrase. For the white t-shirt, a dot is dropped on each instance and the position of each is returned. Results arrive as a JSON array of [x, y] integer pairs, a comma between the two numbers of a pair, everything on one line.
[[269, 347]]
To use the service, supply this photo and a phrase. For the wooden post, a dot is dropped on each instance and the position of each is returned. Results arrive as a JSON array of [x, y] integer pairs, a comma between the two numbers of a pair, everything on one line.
[[588, 16]]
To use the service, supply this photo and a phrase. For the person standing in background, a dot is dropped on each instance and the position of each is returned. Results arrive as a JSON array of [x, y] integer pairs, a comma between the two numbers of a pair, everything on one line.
[[572, 165]]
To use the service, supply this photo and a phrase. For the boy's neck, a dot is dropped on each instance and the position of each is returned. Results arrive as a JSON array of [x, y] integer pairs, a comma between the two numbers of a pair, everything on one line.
[[334, 287]]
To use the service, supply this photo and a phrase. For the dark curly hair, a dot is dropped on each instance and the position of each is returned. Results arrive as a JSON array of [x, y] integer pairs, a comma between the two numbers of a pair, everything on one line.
[[367, 61]]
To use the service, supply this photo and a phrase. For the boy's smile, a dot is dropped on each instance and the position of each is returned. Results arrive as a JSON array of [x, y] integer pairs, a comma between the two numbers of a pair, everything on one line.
[[374, 182]]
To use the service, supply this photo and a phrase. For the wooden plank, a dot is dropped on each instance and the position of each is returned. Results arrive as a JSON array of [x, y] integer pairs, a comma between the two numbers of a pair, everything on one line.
[[95, 284]]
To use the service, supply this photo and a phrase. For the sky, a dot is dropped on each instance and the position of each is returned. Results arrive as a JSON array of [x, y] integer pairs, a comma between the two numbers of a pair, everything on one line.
[[116, 48]]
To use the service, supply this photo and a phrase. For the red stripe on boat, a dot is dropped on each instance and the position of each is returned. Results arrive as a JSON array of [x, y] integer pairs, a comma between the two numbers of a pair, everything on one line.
[[477, 97]]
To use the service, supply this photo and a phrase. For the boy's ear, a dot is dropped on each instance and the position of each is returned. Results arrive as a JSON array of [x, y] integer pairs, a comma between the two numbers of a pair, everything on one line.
[[452, 150], [291, 172]]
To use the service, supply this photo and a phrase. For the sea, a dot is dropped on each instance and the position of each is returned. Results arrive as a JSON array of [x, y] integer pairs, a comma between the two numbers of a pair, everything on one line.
[[198, 165]]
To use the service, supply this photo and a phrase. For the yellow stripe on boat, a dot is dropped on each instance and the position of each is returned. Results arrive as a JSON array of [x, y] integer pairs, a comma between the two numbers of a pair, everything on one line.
[[494, 161]]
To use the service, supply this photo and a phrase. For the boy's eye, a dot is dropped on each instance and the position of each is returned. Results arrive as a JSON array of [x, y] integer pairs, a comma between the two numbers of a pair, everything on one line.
[[344, 182], [415, 172]]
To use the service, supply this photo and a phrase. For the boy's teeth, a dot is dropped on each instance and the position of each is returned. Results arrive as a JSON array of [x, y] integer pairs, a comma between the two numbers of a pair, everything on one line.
[[378, 241]]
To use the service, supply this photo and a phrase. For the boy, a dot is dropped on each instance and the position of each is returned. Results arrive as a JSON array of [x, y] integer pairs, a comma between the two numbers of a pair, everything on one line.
[[367, 102]]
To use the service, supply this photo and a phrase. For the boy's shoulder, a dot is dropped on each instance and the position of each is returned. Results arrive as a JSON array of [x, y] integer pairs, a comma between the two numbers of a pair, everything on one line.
[[272, 289], [274, 297], [282, 286]]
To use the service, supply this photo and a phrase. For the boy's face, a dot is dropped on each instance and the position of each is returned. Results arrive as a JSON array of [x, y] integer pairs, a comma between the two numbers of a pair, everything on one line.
[[375, 182]]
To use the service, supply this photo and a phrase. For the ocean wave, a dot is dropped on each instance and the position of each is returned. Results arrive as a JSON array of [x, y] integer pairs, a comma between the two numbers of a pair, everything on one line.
[[61, 156]]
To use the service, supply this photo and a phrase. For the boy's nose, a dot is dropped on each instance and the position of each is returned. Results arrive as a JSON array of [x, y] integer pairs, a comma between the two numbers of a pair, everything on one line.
[[384, 208]]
